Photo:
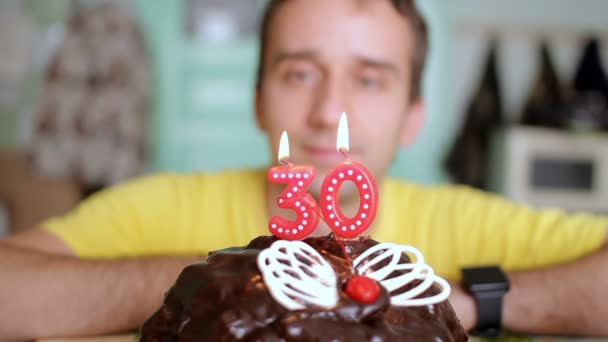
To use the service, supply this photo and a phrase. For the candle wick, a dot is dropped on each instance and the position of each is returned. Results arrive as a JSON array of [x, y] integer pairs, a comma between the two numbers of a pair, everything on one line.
[[349, 261], [344, 153], [285, 161]]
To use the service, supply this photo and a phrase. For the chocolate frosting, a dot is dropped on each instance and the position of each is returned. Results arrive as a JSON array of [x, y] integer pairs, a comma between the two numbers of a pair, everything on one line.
[[225, 299]]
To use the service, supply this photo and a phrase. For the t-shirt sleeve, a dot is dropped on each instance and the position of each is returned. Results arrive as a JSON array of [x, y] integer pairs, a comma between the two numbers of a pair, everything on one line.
[[136, 218], [489, 229]]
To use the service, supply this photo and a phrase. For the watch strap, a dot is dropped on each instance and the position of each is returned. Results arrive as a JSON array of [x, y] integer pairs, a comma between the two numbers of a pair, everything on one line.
[[489, 312]]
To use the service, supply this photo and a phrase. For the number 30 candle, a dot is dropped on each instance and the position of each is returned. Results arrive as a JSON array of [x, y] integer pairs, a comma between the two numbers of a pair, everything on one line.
[[295, 197], [366, 185]]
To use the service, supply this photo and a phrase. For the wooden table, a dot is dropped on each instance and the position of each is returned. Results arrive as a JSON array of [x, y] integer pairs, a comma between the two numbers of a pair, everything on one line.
[[132, 338], [117, 338]]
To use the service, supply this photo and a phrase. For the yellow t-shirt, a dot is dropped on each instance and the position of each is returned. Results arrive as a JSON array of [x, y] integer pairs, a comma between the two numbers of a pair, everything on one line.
[[453, 226]]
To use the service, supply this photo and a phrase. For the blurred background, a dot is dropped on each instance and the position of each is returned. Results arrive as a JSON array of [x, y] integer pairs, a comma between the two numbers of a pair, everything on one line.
[[93, 92]]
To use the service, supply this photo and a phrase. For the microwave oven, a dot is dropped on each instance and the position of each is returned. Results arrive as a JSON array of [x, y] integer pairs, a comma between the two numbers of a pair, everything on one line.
[[545, 167]]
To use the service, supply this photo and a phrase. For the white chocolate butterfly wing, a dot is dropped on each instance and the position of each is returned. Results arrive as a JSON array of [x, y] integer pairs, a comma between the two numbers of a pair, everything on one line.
[[390, 254], [297, 276]]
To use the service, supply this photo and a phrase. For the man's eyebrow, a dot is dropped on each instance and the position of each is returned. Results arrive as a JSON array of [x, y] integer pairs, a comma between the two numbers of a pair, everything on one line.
[[379, 64], [303, 54]]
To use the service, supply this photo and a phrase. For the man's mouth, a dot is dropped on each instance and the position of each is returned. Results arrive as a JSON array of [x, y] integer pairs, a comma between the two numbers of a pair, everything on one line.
[[323, 155]]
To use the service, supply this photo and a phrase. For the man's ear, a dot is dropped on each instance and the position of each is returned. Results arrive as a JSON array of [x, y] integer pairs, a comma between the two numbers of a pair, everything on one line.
[[259, 115], [413, 123]]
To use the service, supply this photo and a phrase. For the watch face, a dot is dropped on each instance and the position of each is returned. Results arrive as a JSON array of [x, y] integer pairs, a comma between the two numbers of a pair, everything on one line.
[[490, 278]]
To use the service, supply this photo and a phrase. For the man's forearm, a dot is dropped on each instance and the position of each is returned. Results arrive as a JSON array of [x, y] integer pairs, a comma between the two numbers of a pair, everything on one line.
[[45, 295], [565, 299]]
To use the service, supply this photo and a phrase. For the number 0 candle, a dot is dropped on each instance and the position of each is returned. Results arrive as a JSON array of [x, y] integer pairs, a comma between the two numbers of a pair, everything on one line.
[[295, 197], [348, 227]]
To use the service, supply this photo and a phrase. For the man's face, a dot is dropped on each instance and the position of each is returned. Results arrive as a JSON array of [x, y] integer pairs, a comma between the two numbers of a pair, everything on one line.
[[328, 57]]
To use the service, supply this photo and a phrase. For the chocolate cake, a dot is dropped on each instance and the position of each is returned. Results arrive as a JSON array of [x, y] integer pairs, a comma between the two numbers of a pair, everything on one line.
[[226, 298]]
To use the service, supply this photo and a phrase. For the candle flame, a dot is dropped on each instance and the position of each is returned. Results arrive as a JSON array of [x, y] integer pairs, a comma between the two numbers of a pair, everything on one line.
[[284, 147], [342, 142]]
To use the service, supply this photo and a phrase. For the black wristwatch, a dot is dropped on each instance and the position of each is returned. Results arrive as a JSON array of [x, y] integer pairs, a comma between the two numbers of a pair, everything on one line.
[[488, 285]]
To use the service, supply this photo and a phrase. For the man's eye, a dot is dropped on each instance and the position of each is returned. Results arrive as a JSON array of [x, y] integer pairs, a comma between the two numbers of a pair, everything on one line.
[[300, 76], [369, 82]]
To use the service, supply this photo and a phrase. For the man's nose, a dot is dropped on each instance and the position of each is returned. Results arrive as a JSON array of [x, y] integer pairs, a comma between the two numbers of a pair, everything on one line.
[[331, 101]]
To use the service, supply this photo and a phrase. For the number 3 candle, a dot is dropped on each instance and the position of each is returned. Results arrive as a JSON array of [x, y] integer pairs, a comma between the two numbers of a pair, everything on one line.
[[295, 197], [366, 185]]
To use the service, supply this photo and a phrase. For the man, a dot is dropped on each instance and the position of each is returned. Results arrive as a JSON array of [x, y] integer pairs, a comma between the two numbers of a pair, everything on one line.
[[319, 58]]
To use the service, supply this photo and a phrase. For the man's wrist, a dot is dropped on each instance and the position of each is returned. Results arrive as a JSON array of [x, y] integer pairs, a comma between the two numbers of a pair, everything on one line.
[[487, 285], [464, 305]]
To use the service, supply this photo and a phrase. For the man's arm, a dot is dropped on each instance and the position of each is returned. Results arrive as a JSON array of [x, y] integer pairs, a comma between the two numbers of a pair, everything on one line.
[[46, 291], [564, 299]]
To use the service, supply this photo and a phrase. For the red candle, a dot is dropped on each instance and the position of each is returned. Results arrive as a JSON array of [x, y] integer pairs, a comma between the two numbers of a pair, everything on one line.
[[298, 179], [348, 227]]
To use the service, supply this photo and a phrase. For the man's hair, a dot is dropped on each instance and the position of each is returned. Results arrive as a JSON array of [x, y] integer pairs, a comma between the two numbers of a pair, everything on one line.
[[407, 8]]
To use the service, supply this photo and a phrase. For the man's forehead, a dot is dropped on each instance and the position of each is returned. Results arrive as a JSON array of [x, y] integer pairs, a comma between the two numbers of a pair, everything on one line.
[[339, 29]]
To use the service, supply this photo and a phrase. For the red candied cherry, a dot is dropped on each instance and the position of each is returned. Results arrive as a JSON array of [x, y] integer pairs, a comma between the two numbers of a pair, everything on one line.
[[363, 289]]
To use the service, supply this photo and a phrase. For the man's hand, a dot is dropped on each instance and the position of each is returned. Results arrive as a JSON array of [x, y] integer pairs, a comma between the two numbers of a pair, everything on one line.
[[62, 295]]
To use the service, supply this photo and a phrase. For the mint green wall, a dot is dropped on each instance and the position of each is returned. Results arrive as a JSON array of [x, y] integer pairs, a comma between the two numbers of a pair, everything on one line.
[[422, 162], [203, 96], [8, 126]]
